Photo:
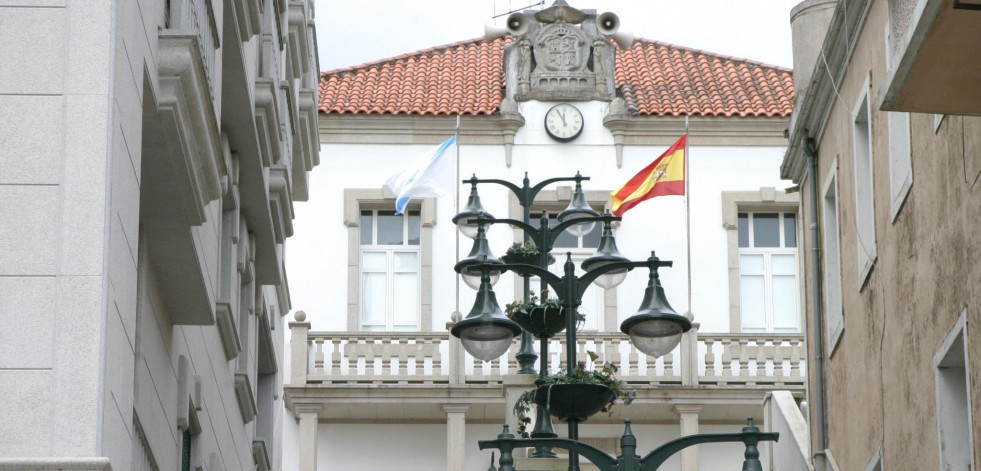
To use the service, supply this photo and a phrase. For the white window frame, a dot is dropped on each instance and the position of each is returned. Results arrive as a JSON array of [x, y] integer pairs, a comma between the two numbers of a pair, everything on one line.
[[390, 271], [769, 325], [865, 246], [956, 338], [831, 258], [356, 199], [764, 200], [900, 146]]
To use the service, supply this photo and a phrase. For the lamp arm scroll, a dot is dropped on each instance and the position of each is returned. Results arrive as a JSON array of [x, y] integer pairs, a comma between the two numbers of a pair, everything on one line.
[[595, 273], [596, 456], [654, 459]]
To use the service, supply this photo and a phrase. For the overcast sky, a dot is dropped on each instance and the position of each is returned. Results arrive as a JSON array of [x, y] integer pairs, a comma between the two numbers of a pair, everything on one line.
[[351, 32]]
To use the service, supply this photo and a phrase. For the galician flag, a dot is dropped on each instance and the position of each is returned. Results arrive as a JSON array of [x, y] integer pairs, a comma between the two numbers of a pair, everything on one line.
[[664, 176], [431, 174]]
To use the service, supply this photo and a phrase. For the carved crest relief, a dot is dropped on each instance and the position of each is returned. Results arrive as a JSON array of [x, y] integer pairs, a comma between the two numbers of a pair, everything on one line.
[[561, 48]]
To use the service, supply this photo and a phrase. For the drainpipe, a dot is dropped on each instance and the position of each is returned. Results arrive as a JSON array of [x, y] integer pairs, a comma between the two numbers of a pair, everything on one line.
[[811, 152]]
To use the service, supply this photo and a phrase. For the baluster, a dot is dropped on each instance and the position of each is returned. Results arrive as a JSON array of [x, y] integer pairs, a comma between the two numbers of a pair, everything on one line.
[[727, 351], [613, 355], [512, 361], [318, 356], [764, 352], [669, 365], [795, 356], [633, 367], [403, 349], [437, 356], [335, 357], [743, 358], [779, 355], [710, 357]]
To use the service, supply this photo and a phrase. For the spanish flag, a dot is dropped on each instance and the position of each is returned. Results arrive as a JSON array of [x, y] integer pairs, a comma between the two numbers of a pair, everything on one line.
[[664, 176]]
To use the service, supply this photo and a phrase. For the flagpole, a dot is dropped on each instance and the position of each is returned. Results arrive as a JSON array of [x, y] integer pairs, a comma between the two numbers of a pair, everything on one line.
[[456, 209], [687, 214]]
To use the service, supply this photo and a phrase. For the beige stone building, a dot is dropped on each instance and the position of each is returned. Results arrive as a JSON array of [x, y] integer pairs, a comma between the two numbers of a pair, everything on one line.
[[888, 160], [150, 154]]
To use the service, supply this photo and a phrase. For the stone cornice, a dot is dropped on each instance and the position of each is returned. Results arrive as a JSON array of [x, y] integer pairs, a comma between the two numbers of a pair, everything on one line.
[[500, 129], [402, 129]]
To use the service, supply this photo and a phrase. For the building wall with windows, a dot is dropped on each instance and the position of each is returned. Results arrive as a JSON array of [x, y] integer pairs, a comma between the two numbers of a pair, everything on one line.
[[897, 203], [357, 371], [150, 154]]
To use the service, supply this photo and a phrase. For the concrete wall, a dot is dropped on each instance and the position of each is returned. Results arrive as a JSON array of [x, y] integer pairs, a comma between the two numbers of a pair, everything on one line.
[[89, 348], [880, 378], [55, 162]]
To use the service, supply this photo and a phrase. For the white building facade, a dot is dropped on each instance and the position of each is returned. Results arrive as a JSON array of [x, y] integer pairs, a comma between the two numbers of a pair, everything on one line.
[[385, 386], [150, 154]]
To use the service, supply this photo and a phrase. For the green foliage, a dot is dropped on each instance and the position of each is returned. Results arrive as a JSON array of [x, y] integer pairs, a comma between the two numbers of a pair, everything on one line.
[[528, 248], [604, 376], [525, 306]]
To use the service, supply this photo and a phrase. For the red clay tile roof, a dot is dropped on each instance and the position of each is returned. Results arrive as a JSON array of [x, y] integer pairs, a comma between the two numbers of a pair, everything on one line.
[[467, 77]]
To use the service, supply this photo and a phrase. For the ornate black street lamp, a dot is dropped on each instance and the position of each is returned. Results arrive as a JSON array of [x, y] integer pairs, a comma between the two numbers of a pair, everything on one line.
[[655, 329]]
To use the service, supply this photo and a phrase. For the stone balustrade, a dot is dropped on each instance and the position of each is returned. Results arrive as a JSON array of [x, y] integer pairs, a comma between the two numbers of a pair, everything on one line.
[[425, 358]]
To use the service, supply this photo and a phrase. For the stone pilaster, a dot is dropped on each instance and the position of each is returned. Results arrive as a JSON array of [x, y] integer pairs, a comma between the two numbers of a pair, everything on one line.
[[309, 417], [456, 425], [689, 426]]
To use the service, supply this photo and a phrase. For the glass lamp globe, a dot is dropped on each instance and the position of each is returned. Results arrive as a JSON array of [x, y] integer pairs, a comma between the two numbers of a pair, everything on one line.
[[472, 210], [655, 337], [486, 341], [610, 280], [473, 279]]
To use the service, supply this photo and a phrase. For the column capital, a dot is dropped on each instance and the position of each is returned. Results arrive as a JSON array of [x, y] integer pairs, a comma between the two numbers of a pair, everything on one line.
[[688, 408], [307, 409], [456, 408]]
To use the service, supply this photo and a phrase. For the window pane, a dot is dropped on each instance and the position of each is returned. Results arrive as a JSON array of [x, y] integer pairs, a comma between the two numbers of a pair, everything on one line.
[[752, 306], [373, 328], [743, 230], [784, 300], [592, 240], [373, 261], [766, 230], [389, 228], [406, 261], [366, 227], [750, 263], [790, 230], [406, 298], [414, 223], [373, 298], [783, 263]]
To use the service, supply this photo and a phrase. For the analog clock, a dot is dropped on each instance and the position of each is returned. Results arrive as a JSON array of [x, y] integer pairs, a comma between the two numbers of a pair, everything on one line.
[[563, 122]]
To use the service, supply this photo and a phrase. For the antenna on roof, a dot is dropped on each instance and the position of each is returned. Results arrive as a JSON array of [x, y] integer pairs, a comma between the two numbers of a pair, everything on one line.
[[516, 10]]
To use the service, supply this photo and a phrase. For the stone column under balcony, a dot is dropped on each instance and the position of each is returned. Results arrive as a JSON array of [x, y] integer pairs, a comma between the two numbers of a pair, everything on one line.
[[456, 426], [689, 426], [309, 417]]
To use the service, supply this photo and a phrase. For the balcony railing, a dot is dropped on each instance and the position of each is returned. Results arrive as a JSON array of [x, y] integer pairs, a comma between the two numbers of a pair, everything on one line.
[[199, 16], [711, 360]]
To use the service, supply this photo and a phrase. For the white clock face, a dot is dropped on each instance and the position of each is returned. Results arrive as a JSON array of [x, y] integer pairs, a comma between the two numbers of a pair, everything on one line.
[[563, 122]]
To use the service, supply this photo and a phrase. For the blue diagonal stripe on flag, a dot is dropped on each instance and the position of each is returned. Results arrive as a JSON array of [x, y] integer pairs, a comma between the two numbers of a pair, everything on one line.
[[430, 175]]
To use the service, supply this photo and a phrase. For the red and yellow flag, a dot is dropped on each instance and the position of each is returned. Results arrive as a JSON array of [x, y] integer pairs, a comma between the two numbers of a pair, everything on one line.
[[664, 176]]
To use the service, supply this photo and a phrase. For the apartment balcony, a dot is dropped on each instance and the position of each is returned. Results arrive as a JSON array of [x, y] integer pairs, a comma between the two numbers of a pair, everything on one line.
[[934, 66], [410, 377]]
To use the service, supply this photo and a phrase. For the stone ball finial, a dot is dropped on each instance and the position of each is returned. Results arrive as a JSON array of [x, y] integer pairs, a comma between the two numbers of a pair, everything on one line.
[[689, 315], [456, 316], [300, 316]]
